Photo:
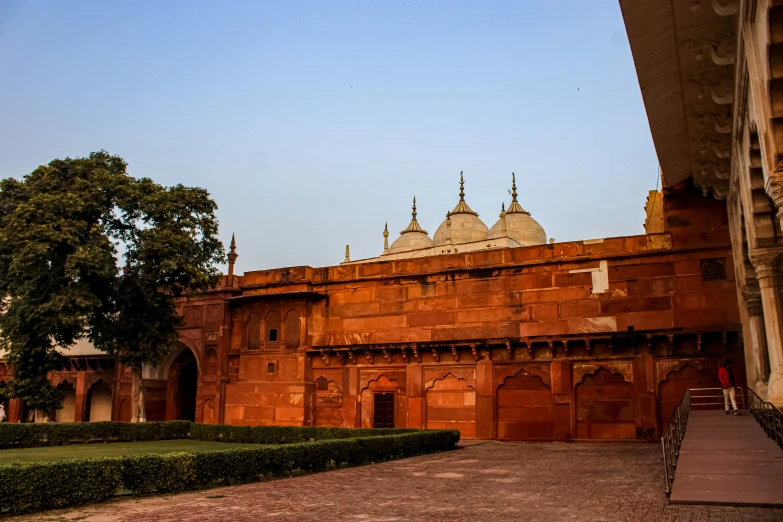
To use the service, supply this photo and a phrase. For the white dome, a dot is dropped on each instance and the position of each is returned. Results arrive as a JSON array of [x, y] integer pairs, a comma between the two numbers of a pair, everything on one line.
[[462, 223], [412, 238], [522, 228], [465, 228], [519, 225], [411, 241]]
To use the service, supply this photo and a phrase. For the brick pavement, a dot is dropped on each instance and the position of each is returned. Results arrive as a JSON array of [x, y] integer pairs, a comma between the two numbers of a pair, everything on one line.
[[490, 482]]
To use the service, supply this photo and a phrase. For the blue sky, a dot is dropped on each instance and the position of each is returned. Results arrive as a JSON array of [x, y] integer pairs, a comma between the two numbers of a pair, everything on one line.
[[313, 123]]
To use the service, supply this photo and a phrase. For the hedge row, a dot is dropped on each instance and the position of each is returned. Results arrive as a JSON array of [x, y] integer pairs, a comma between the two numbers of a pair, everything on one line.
[[56, 433], [283, 434], [34, 486]]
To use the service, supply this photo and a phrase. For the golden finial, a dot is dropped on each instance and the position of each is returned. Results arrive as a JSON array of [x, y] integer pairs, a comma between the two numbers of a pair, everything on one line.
[[515, 207], [448, 227], [414, 226], [462, 207], [386, 238]]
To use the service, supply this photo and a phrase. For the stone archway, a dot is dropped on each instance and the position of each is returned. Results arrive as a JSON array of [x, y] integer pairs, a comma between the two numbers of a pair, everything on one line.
[[182, 387], [68, 411], [672, 388], [451, 405], [98, 402], [605, 406], [525, 408]]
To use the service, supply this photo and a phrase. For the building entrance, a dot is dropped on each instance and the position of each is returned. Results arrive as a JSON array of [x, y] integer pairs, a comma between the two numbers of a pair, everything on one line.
[[384, 410]]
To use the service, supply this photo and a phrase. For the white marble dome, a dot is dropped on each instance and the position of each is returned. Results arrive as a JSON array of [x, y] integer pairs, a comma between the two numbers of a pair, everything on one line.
[[520, 227], [465, 228], [412, 238], [462, 223], [411, 241]]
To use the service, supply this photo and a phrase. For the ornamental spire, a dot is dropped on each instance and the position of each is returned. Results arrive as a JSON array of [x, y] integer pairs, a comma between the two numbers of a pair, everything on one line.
[[462, 207], [232, 258], [386, 238], [515, 207], [414, 226]]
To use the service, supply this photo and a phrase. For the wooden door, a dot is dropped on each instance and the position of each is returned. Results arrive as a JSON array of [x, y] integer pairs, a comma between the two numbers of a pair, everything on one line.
[[384, 410]]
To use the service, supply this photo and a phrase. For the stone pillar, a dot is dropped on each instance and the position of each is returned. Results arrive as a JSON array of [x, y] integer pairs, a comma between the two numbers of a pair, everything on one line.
[[81, 397], [766, 272], [485, 398], [414, 387], [562, 391], [756, 364]]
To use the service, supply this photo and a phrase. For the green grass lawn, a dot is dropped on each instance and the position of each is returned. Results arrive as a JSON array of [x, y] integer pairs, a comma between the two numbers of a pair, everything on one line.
[[111, 449]]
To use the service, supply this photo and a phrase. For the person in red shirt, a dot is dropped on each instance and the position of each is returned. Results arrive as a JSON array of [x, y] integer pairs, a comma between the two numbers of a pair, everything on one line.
[[726, 378]]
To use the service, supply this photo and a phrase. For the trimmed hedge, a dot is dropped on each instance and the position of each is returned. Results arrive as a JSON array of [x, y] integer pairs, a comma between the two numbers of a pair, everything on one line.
[[283, 434], [57, 433], [34, 486]]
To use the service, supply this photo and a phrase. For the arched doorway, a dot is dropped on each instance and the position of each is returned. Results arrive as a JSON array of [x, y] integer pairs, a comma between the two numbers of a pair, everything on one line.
[[98, 403], [183, 381], [66, 413]]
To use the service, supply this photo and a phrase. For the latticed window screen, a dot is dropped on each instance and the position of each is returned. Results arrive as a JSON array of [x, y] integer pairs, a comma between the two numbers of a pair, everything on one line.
[[273, 323], [713, 269], [292, 329], [254, 332]]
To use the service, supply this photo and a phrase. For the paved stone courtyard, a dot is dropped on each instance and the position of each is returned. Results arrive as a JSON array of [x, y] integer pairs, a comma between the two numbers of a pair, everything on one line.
[[490, 481]]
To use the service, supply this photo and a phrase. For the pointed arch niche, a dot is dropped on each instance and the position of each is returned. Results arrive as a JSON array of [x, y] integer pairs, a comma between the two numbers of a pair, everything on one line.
[[385, 388], [525, 408], [672, 388], [605, 406], [451, 405]]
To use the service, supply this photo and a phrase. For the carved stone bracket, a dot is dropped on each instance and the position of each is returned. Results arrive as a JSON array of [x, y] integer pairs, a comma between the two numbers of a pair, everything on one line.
[[404, 351], [370, 356], [325, 356], [435, 354], [474, 351], [722, 48], [340, 357], [416, 353], [455, 352], [386, 355]]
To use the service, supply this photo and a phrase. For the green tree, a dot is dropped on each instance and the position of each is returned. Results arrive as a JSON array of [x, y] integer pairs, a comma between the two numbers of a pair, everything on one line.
[[61, 229]]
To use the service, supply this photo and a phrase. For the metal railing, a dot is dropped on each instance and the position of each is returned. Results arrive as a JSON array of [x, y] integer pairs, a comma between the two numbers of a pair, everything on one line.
[[712, 398], [672, 439], [768, 416]]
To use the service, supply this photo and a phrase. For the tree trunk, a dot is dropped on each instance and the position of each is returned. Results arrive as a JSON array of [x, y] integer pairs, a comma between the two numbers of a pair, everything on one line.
[[138, 409]]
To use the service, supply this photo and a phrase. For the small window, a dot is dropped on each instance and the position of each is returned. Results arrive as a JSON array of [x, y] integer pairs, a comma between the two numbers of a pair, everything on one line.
[[321, 384], [270, 368], [273, 335], [713, 269]]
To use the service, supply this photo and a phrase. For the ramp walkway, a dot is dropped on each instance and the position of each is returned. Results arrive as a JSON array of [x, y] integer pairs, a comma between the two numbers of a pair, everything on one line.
[[727, 460]]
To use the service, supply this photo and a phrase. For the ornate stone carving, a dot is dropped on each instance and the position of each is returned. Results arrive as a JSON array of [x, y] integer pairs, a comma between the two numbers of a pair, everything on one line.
[[722, 49], [719, 118], [725, 7], [720, 88], [708, 169]]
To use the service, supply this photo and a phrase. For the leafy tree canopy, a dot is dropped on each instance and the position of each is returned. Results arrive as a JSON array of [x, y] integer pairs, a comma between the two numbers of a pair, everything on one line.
[[62, 228]]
